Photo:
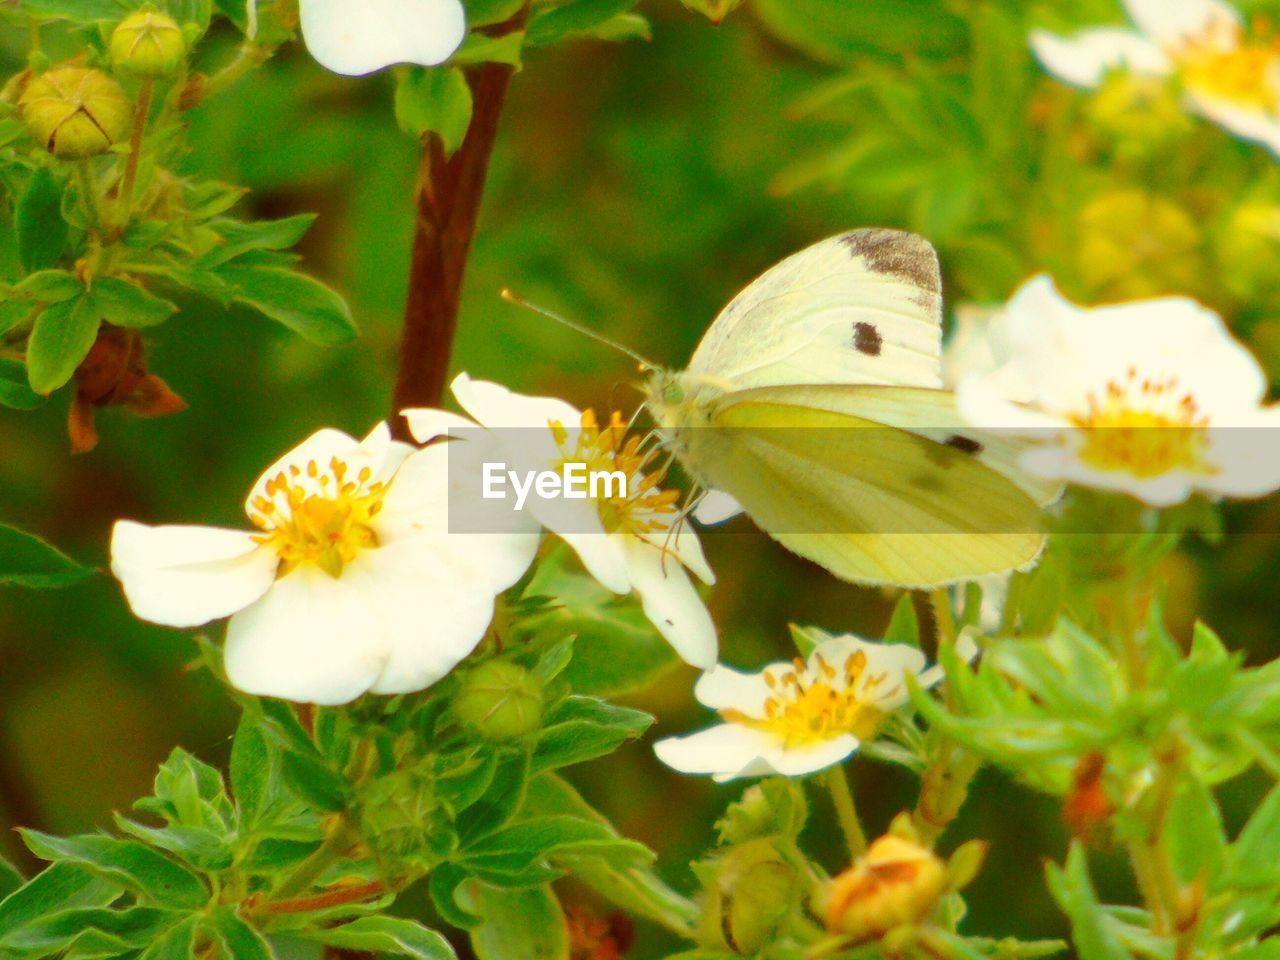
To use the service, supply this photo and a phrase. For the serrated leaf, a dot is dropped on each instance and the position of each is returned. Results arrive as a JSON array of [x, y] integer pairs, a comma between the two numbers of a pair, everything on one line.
[[128, 305], [61, 338], [582, 728], [434, 100], [27, 561], [314, 782], [551, 24], [250, 771], [393, 935], [42, 233], [62, 886], [1091, 928], [516, 924], [304, 305], [148, 874], [239, 941]]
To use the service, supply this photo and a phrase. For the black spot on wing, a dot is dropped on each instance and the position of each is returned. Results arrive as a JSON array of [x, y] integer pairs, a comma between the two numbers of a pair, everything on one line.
[[897, 253], [867, 339], [964, 444]]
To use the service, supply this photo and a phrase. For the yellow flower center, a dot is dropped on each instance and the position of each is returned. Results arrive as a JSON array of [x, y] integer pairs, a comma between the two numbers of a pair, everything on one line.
[[318, 516], [1225, 65], [1144, 427], [809, 707], [641, 508]]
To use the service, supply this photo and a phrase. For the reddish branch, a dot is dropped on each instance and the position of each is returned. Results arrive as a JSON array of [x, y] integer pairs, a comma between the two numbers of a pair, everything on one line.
[[448, 202]]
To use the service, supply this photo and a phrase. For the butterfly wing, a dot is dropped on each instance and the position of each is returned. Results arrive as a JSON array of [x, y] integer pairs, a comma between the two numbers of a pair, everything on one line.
[[870, 503], [927, 413], [861, 307]]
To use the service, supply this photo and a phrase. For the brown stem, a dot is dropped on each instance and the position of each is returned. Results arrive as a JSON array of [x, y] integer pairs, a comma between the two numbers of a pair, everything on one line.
[[333, 897], [130, 181], [448, 200]]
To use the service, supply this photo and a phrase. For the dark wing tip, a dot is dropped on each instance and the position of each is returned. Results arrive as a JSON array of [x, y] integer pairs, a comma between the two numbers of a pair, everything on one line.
[[897, 253]]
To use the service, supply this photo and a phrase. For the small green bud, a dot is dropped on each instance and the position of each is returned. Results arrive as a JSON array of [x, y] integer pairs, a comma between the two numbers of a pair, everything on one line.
[[753, 892], [500, 700], [75, 112], [399, 815], [148, 44], [775, 806]]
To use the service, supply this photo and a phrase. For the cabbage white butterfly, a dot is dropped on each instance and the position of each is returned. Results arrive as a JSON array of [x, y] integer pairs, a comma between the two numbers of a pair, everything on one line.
[[815, 401]]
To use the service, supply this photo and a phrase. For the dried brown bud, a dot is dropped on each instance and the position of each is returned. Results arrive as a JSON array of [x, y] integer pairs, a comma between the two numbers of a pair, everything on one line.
[[898, 882]]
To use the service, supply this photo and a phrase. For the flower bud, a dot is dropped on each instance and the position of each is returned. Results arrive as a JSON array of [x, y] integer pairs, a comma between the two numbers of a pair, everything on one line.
[[753, 892], [75, 112], [500, 700], [897, 883], [148, 44], [773, 807], [400, 816]]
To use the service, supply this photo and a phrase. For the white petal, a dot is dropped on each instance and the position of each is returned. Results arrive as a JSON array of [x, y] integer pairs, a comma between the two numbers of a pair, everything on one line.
[[604, 555], [1173, 22], [432, 608], [672, 604], [1084, 58], [426, 423], [321, 447], [799, 761], [727, 750], [882, 678], [356, 37], [494, 406], [716, 506], [311, 638], [970, 351], [723, 688], [184, 576], [1246, 122]]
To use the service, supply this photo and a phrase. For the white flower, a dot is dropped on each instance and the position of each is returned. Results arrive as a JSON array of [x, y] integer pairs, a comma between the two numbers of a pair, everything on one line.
[[356, 37], [1227, 76], [1154, 398], [350, 584], [971, 348], [800, 717], [627, 542]]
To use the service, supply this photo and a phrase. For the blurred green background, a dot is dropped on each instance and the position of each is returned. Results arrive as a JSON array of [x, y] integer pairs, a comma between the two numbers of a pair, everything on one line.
[[636, 187]]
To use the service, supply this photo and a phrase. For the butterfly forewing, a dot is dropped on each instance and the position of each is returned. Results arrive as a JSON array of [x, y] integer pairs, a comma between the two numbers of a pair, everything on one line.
[[861, 307]]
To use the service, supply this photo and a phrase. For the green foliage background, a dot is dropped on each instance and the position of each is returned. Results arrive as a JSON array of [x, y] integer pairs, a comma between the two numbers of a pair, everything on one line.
[[635, 187]]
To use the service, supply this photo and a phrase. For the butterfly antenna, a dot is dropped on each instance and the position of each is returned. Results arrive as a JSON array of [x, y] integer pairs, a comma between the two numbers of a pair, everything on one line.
[[512, 297]]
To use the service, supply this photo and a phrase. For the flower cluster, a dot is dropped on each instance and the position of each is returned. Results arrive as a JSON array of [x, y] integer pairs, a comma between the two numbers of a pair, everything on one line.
[[356, 580]]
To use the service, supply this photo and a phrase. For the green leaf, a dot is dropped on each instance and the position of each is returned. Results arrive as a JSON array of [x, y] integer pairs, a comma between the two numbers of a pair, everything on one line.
[[15, 391], [551, 24], [481, 13], [94, 931], [62, 886], [238, 238], [250, 771], [582, 728], [148, 874], [27, 561], [434, 100], [394, 935], [80, 11], [517, 846], [516, 924], [1255, 856], [617, 649], [50, 286], [443, 886], [825, 30], [904, 625], [176, 944], [61, 339], [42, 233], [190, 793], [10, 878], [1197, 841], [315, 782], [238, 940], [128, 305], [304, 305], [482, 48], [623, 27], [1092, 930]]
